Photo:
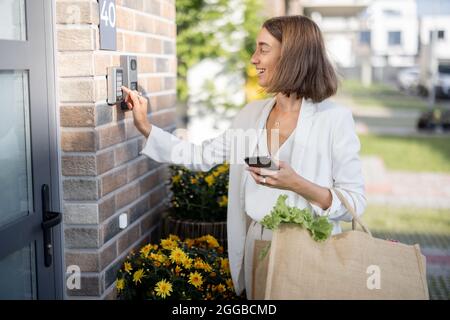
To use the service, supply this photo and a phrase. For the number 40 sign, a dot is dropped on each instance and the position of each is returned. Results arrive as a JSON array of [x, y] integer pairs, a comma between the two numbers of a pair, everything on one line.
[[107, 28]]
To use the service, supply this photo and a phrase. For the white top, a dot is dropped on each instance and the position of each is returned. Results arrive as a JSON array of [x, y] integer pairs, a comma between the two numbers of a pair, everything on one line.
[[260, 199], [325, 151]]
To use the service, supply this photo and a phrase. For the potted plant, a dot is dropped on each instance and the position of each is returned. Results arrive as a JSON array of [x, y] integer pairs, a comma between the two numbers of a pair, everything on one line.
[[194, 269], [199, 203]]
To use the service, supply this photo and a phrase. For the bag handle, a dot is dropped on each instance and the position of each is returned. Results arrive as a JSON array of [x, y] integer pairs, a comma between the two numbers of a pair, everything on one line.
[[350, 209]]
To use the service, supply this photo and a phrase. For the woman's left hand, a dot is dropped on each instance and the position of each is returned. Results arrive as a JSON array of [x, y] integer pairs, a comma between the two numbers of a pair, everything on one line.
[[284, 178]]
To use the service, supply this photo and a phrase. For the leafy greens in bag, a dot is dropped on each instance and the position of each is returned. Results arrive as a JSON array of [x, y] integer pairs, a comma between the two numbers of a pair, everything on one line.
[[319, 227]]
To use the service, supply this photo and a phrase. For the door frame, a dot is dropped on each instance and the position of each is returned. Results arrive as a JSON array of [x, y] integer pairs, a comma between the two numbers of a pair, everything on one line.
[[46, 164], [54, 135]]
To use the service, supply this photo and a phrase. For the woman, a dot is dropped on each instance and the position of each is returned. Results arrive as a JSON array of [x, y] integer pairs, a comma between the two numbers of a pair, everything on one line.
[[318, 147]]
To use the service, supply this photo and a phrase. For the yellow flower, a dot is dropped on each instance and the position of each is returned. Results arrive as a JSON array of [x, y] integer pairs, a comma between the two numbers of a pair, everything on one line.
[[163, 288], [219, 288], [127, 266], [223, 201], [177, 255], [138, 275], [194, 181], [189, 242], [210, 180], [222, 168], [120, 284], [212, 242], [229, 283], [168, 244], [187, 262], [207, 267], [176, 179], [195, 279], [158, 257], [177, 269], [225, 264], [174, 237], [200, 264], [145, 250]]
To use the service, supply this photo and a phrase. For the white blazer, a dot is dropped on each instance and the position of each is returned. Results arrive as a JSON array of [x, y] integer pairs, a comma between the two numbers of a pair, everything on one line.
[[326, 152]]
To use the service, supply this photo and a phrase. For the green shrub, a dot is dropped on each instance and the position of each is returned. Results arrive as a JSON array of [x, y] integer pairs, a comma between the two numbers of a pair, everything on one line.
[[200, 196]]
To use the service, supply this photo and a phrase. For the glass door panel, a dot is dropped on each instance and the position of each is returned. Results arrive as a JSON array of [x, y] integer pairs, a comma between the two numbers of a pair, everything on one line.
[[18, 275], [15, 156], [12, 20]]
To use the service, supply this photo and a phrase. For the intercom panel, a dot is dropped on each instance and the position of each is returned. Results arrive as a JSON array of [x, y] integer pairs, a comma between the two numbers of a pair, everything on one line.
[[114, 82], [130, 73]]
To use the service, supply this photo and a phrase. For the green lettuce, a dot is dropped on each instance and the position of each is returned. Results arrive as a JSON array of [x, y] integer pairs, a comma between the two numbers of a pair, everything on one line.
[[319, 227]]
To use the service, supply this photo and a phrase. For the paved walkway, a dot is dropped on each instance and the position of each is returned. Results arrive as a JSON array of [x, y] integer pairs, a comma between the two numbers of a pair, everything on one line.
[[426, 190], [401, 188]]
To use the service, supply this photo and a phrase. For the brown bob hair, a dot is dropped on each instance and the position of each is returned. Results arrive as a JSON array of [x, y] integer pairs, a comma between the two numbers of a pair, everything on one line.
[[304, 68]]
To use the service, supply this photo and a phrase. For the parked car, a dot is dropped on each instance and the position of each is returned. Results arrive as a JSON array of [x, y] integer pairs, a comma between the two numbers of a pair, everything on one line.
[[408, 79], [442, 85]]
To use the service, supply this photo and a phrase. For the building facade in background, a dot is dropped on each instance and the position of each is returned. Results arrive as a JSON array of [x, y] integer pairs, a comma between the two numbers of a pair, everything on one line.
[[373, 39]]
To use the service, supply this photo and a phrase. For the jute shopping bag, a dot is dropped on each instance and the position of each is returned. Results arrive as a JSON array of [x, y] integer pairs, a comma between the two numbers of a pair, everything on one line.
[[260, 264], [350, 265]]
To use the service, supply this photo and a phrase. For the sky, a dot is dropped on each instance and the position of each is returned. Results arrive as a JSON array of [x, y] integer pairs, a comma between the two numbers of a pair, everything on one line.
[[429, 7]]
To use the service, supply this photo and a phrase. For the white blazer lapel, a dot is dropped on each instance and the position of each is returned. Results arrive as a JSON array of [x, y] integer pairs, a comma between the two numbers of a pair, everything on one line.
[[258, 125], [304, 124]]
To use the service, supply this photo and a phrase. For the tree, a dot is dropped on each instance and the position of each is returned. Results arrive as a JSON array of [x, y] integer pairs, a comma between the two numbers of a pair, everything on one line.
[[197, 39], [210, 29]]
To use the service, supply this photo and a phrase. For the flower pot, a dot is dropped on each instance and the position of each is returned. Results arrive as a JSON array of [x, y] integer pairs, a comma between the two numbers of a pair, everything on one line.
[[193, 229]]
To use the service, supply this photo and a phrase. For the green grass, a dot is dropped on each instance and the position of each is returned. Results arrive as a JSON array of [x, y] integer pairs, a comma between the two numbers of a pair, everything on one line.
[[417, 154], [406, 220], [381, 95]]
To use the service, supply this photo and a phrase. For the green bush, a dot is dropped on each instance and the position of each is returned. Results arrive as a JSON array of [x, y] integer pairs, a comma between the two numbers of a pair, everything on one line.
[[200, 196]]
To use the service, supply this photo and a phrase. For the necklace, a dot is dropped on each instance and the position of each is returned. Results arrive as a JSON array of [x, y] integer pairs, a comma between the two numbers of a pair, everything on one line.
[[277, 122]]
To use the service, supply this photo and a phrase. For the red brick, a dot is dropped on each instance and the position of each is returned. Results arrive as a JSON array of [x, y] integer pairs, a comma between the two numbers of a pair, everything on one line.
[[125, 152], [77, 116], [113, 181], [106, 208], [78, 165], [128, 238], [105, 161], [127, 195], [78, 140], [111, 134], [149, 182], [163, 119], [154, 45]]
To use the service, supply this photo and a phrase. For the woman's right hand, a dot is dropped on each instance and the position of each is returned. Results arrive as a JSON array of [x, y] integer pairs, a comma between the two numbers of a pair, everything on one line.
[[138, 104]]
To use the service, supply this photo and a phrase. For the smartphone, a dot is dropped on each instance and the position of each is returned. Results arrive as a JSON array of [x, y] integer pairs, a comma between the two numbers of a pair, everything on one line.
[[261, 162]]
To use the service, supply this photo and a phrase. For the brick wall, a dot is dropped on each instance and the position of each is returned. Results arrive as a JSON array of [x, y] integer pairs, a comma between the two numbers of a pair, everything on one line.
[[102, 173]]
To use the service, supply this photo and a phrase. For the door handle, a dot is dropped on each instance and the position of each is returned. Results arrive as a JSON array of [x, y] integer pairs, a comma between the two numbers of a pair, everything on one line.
[[50, 219]]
